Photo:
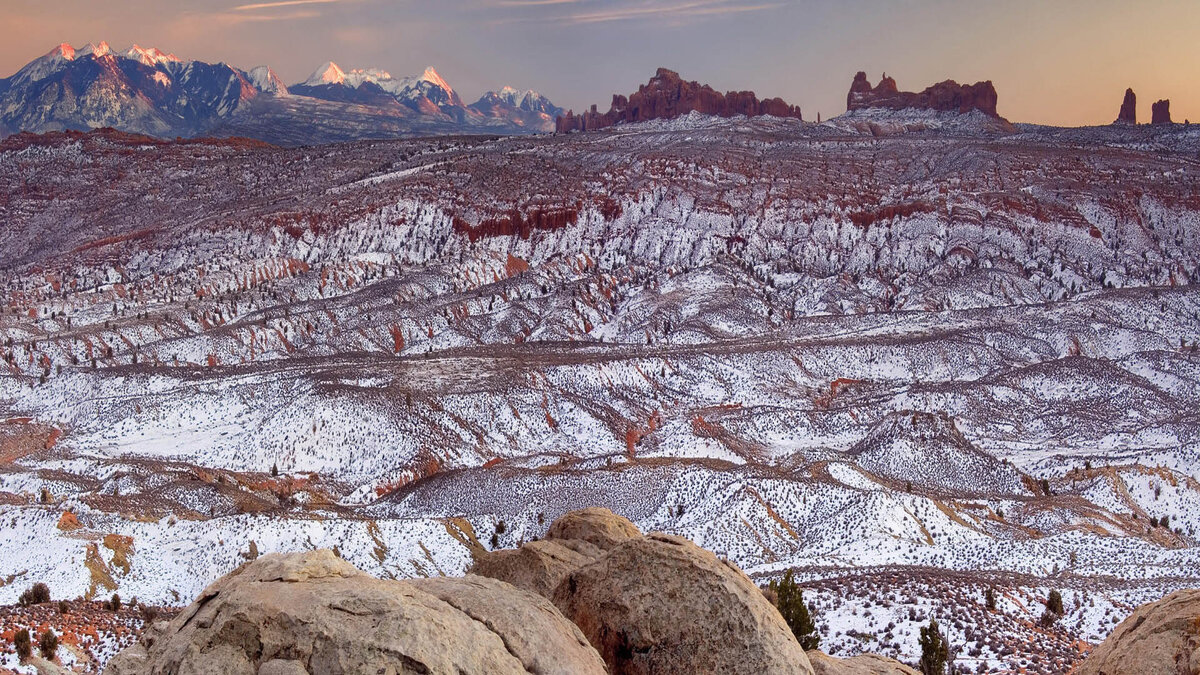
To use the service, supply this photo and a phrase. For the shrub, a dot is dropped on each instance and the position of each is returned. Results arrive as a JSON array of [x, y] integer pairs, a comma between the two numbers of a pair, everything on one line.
[[1054, 603], [934, 651], [22, 643], [790, 601], [35, 595], [63, 607], [48, 644], [149, 613]]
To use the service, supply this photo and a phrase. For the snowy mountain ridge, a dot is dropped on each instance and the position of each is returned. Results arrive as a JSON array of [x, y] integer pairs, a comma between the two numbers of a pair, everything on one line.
[[150, 91]]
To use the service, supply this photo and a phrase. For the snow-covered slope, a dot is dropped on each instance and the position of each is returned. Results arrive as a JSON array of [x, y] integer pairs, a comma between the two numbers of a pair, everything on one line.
[[926, 363]]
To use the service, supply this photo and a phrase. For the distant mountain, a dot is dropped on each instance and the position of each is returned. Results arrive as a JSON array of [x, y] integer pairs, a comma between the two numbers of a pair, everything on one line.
[[138, 90], [152, 92], [528, 108]]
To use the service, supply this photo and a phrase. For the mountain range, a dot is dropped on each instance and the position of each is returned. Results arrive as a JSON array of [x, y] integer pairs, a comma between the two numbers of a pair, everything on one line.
[[152, 92]]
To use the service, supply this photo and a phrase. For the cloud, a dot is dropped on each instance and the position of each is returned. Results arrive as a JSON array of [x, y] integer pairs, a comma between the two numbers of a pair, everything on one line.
[[534, 3], [228, 18], [673, 11], [282, 3]]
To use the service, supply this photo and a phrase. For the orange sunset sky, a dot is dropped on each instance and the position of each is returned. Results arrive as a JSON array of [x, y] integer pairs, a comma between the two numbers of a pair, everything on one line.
[[1063, 62]]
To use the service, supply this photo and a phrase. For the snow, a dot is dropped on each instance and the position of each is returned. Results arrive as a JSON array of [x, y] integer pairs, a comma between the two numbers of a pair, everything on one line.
[[150, 56], [329, 73]]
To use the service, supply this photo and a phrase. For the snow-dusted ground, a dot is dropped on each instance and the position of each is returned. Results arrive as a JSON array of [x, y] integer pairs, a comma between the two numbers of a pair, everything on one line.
[[947, 350]]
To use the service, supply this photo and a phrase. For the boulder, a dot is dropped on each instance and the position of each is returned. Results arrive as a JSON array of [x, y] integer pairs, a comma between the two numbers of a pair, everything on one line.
[[532, 629], [286, 614], [1160, 112], [864, 664], [597, 526], [661, 604], [1128, 114], [537, 566], [1159, 637]]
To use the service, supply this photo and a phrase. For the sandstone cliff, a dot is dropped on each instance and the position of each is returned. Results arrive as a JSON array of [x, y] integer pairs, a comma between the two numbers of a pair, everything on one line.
[[667, 96]]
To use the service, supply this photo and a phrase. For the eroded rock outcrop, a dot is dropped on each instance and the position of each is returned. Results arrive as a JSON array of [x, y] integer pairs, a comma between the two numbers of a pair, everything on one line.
[[1160, 112], [864, 664], [659, 604], [1159, 637], [314, 613], [573, 540], [599, 527], [1128, 114], [537, 566], [667, 96], [947, 96]]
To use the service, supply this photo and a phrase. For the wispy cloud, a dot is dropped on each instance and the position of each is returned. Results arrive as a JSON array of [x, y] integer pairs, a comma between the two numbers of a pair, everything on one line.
[[282, 3], [534, 3], [236, 18], [672, 11]]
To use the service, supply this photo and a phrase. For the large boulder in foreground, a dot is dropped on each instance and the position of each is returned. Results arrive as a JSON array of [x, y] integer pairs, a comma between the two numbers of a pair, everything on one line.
[[315, 613], [575, 539], [864, 664], [661, 604], [537, 566], [1159, 637], [597, 526]]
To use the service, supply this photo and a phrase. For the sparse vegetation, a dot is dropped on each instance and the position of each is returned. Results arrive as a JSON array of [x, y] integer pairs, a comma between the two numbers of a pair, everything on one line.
[[789, 598], [48, 644], [934, 650], [35, 595], [23, 644]]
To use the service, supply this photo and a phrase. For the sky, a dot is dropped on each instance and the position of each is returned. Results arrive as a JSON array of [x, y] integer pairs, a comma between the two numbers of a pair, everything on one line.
[[1063, 62]]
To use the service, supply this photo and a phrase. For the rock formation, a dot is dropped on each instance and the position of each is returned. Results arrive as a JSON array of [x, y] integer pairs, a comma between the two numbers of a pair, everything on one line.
[[313, 613], [1159, 637], [1160, 112], [948, 96], [865, 664], [600, 527], [667, 96], [1128, 114], [639, 604], [537, 566], [659, 603]]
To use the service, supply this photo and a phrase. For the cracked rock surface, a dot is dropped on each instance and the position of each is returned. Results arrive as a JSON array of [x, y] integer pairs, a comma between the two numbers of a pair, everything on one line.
[[312, 612], [1159, 637], [661, 604]]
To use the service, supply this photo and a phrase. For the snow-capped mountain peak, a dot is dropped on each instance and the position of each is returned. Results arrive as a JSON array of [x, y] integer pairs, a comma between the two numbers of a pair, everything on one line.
[[431, 76], [63, 51], [329, 73], [265, 80], [150, 57], [96, 50]]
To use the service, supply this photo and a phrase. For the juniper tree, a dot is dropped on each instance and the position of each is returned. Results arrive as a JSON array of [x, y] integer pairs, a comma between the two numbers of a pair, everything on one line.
[[23, 644], [790, 601], [1054, 602], [48, 644], [934, 650]]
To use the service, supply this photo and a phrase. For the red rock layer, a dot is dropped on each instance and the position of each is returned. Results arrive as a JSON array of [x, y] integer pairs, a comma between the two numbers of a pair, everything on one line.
[[944, 96], [667, 96]]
